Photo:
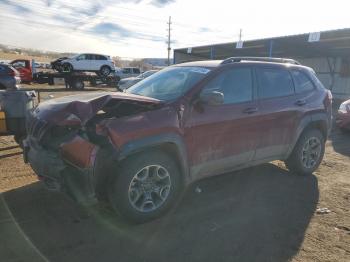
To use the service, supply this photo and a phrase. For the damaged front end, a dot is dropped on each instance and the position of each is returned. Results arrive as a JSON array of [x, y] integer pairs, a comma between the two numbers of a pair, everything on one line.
[[63, 146]]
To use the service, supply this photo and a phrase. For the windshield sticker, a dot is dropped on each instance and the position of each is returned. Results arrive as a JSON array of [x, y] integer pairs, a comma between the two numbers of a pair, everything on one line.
[[200, 70]]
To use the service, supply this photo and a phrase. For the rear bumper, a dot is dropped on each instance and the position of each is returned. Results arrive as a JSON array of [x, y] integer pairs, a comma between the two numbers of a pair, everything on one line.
[[59, 175]]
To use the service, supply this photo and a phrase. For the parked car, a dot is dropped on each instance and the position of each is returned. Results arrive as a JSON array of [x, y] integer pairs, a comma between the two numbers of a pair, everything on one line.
[[343, 116], [23, 66], [141, 148], [100, 64], [9, 78], [128, 72], [130, 81]]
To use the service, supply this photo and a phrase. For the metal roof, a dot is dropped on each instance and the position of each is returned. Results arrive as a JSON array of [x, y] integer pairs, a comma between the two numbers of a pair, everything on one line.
[[332, 43]]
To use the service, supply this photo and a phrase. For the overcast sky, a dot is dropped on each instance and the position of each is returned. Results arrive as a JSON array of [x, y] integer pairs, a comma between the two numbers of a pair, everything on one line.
[[137, 28]]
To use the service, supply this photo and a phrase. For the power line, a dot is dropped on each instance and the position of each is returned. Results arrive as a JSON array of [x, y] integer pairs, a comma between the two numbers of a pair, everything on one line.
[[169, 39]]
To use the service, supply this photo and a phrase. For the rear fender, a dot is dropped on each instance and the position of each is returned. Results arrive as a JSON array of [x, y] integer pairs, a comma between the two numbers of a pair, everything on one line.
[[308, 121]]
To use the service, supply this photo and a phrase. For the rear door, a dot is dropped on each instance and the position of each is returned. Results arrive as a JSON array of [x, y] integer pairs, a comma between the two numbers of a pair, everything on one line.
[[221, 137], [100, 61], [278, 112], [91, 63]]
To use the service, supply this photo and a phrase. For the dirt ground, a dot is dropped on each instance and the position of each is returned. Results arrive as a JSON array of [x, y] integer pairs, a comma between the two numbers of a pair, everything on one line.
[[263, 213]]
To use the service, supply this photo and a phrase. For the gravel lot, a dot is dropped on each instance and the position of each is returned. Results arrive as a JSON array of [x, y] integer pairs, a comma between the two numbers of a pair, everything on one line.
[[263, 213]]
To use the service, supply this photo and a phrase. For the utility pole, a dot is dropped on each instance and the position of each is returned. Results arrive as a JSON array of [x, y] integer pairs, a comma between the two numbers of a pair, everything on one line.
[[169, 37], [240, 35]]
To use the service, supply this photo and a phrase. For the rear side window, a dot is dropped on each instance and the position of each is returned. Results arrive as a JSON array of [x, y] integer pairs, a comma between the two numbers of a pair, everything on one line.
[[137, 71], [100, 57], [236, 84], [90, 57], [301, 82], [274, 82]]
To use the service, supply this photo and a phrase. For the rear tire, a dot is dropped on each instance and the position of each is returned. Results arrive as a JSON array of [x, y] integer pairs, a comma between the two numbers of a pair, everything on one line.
[[78, 84], [307, 153], [145, 186], [105, 70]]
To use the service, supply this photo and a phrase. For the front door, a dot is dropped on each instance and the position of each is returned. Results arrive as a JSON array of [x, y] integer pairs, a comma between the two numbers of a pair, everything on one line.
[[221, 137], [80, 62]]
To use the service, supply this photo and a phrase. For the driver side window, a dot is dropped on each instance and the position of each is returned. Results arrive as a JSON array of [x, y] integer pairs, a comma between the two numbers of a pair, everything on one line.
[[235, 84], [81, 57], [19, 64]]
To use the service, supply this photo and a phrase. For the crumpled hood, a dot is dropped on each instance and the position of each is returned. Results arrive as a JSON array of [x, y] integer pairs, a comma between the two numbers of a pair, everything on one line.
[[78, 109]]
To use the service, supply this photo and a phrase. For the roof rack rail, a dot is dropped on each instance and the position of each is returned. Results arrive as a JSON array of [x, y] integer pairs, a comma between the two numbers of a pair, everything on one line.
[[260, 59]]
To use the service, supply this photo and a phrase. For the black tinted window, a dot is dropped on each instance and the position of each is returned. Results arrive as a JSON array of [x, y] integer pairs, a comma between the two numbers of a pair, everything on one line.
[[236, 85], [100, 57], [274, 82], [90, 57], [301, 82], [137, 71]]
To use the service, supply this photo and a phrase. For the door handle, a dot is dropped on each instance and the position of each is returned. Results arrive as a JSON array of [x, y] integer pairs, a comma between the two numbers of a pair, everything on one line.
[[300, 102], [250, 110]]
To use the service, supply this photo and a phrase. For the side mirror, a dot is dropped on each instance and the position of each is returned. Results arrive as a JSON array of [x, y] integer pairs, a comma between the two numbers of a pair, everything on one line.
[[212, 98]]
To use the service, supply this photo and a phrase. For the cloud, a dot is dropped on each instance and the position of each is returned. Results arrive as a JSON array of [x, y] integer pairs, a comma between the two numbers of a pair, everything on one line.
[[49, 2], [113, 31], [204, 30], [161, 3], [18, 8], [110, 29], [87, 10]]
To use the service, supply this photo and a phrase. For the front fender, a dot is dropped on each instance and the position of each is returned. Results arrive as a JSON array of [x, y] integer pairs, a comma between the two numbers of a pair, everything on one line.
[[157, 141]]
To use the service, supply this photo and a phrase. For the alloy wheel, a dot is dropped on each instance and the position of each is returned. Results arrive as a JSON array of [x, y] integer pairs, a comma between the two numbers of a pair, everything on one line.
[[149, 188], [311, 152]]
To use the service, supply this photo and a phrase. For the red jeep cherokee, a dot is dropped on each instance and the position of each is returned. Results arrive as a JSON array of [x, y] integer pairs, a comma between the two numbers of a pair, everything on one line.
[[186, 122]]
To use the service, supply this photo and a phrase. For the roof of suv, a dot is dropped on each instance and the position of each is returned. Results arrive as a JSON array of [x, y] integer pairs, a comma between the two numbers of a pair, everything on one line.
[[217, 63]]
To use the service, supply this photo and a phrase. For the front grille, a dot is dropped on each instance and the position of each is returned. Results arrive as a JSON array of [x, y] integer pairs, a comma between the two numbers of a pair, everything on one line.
[[36, 127]]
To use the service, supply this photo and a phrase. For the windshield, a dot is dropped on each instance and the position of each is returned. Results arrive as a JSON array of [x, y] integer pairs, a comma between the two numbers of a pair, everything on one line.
[[169, 83], [146, 74]]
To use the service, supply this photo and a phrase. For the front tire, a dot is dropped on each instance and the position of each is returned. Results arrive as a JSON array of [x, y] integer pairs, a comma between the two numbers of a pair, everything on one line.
[[307, 153], [67, 67], [145, 186]]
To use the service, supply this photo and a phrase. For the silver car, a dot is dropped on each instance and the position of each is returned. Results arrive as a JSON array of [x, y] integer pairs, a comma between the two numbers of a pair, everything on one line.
[[130, 81], [9, 77]]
